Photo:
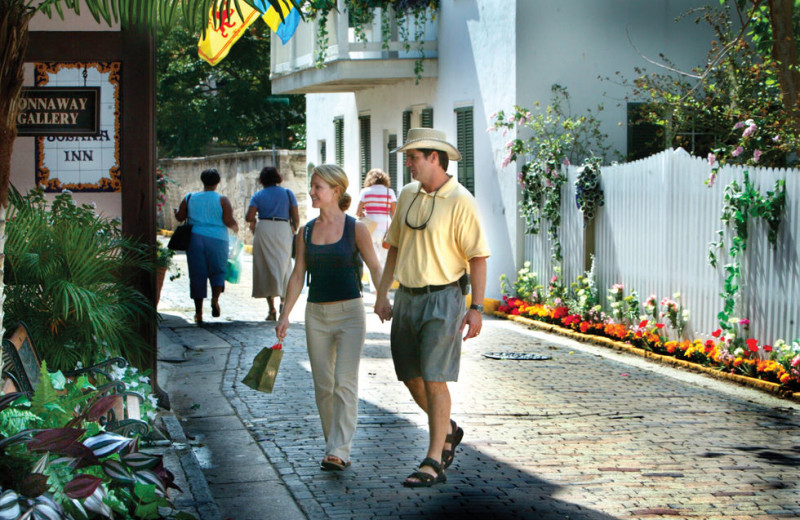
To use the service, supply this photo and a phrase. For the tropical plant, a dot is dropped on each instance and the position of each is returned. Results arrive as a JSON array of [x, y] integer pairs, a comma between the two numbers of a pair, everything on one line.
[[69, 278], [15, 17], [57, 462]]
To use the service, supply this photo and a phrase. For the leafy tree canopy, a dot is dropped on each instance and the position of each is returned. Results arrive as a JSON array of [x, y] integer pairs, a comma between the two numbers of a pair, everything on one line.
[[226, 107]]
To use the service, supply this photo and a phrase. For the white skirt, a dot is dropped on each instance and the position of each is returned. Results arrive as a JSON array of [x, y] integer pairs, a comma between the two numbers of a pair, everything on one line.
[[272, 258]]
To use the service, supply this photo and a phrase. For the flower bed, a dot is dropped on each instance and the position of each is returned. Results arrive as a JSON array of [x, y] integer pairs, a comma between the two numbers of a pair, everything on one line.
[[778, 365]]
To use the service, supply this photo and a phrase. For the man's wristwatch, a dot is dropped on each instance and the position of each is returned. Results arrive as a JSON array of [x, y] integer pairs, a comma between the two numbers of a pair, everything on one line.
[[477, 307]]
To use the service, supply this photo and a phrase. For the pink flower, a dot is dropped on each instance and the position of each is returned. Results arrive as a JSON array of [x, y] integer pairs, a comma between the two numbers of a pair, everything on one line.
[[566, 161], [712, 178], [749, 130], [737, 152], [796, 361], [505, 131], [711, 159], [494, 115], [509, 144], [756, 155], [506, 162], [744, 322], [776, 138], [491, 129], [740, 124]]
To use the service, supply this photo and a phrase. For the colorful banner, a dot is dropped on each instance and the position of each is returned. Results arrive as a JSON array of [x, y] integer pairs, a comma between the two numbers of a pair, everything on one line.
[[283, 28], [218, 41]]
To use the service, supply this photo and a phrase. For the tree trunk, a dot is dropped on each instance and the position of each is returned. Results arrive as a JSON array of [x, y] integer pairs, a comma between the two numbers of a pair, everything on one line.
[[784, 50], [14, 20]]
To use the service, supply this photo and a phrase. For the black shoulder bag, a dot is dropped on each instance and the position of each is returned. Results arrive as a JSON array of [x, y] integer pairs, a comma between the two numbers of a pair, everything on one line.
[[183, 234]]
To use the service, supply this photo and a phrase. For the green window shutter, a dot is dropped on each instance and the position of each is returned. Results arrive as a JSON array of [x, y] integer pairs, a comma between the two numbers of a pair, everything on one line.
[[465, 141], [427, 118], [365, 148], [406, 127], [338, 127], [323, 152], [392, 169]]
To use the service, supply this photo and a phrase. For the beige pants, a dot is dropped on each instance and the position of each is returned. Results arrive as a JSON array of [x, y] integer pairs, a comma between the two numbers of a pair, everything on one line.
[[335, 334]]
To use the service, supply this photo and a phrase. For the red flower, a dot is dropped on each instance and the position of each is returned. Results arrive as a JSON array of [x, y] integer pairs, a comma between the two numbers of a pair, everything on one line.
[[717, 333], [659, 325], [752, 344], [584, 326], [767, 348], [643, 324]]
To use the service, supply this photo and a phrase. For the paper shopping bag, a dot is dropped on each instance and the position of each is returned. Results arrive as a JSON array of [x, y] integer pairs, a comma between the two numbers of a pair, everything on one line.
[[262, 374]]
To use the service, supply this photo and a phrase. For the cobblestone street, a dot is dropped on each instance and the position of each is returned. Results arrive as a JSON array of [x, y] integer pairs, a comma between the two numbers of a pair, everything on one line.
[[590, 433]]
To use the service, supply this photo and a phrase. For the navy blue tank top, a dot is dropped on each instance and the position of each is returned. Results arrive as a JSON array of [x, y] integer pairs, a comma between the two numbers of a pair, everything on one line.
[[334, 269]]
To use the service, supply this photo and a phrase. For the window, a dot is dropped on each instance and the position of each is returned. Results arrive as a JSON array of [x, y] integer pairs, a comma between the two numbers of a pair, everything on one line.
[[365, 150], [391, 144], [466, 143], [406, 128], [338, 130], [426, 120], [323, 152], [644, 138]]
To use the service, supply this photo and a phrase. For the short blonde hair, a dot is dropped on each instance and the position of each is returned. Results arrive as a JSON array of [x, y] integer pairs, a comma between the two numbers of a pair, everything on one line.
[[334, 176], [377, 176]]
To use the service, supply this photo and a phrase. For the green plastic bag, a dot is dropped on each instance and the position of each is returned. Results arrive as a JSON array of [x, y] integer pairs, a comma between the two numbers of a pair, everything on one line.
[[234, 269], [262, 374]]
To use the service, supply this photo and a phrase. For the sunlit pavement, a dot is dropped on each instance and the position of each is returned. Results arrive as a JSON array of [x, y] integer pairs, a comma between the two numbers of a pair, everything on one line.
[[589, 433]]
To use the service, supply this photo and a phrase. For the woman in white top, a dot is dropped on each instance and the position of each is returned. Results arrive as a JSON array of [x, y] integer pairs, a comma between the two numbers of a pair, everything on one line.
[[377, 202]]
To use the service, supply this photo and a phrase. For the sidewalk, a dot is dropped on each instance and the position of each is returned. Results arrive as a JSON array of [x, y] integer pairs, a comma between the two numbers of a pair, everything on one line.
[[589, 434]]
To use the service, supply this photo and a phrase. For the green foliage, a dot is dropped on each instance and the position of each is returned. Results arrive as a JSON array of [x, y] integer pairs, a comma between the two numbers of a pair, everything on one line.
[[360, 13], [69, 277], [737, 82], [526, 286], [556, 138], [584, 298], [589, 194], [740, 204], [54, 453], [229, 106]]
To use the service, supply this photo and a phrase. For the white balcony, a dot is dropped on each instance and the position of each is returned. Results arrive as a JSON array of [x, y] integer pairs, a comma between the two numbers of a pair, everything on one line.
[[352, 64]]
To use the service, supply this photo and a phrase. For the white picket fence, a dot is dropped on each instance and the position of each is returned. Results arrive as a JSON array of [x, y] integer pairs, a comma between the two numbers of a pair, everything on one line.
[[653, 235]]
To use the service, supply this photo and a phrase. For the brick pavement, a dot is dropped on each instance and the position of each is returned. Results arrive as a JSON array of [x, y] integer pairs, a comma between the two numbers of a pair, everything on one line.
[[589, 434]]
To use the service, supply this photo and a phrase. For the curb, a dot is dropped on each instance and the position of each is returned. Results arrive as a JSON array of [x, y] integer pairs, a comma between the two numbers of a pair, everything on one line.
[[764, 386], [204, 502]]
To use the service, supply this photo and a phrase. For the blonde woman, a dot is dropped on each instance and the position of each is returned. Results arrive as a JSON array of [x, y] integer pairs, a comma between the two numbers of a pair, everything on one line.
[[377, 201], [330, 248]]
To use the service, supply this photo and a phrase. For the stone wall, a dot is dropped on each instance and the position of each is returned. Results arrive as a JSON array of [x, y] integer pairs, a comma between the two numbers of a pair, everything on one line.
[[239, 172]]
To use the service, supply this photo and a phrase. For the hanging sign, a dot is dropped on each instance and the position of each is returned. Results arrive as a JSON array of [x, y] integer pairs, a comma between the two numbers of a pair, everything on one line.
[[60, 111]]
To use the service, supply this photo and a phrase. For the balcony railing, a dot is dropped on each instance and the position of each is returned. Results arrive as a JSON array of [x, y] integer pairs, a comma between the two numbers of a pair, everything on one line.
[[350, 64]]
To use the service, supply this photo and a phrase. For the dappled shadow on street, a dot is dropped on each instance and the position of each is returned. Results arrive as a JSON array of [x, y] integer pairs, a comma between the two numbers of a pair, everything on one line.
[[388, 446]]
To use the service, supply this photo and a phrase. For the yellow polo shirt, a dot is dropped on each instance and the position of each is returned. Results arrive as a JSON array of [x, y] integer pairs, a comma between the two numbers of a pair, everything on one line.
[[438, 254]]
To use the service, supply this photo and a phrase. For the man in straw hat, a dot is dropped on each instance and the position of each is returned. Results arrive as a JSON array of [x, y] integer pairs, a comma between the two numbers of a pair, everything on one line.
[[435, 239]]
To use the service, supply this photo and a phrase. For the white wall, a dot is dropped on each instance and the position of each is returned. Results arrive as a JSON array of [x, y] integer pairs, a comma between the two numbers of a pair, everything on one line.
[[574, 42], [494, 54]]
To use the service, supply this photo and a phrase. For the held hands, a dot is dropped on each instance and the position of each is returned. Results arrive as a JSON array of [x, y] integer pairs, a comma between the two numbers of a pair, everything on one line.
[[474, 319], [383, 309]]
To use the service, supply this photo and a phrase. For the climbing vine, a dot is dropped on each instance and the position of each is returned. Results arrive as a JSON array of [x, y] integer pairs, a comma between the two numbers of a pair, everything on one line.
[[588, 192], [361, 14], [741, 203], [556, 138]]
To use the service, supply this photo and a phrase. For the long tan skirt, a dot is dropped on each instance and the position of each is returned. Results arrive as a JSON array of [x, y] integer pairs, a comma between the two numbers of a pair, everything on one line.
[[272, 258]]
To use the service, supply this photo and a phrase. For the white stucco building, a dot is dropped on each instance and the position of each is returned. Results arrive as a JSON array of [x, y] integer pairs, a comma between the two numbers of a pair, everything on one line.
[[481, 56]]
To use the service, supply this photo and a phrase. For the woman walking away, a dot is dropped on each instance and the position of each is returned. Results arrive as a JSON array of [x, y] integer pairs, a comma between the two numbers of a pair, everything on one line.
[[377, 202], [273, 219], [330, 249], [210, 215]]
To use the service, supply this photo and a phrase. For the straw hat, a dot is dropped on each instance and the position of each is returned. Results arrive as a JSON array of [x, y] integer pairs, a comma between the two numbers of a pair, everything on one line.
[[431, 139]]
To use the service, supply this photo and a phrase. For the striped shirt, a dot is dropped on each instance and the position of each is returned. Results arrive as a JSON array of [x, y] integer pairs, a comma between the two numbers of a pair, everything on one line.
[[377, 200]]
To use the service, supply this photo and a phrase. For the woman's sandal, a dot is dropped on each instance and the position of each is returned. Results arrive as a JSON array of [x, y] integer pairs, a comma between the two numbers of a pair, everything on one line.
[[272, 316], [454, 439], [332, 463], [215, 309], [426, 479]]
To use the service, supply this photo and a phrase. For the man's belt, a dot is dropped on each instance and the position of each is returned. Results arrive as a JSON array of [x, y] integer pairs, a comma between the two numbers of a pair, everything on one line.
[[275, 219], [428, 288]]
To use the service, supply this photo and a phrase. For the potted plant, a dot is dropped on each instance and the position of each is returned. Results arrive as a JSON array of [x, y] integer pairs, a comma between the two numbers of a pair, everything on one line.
[[164, 264]]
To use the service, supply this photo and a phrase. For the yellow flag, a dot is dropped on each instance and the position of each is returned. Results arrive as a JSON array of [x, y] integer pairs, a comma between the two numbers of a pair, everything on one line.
[[271, 16], [230, 27]]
